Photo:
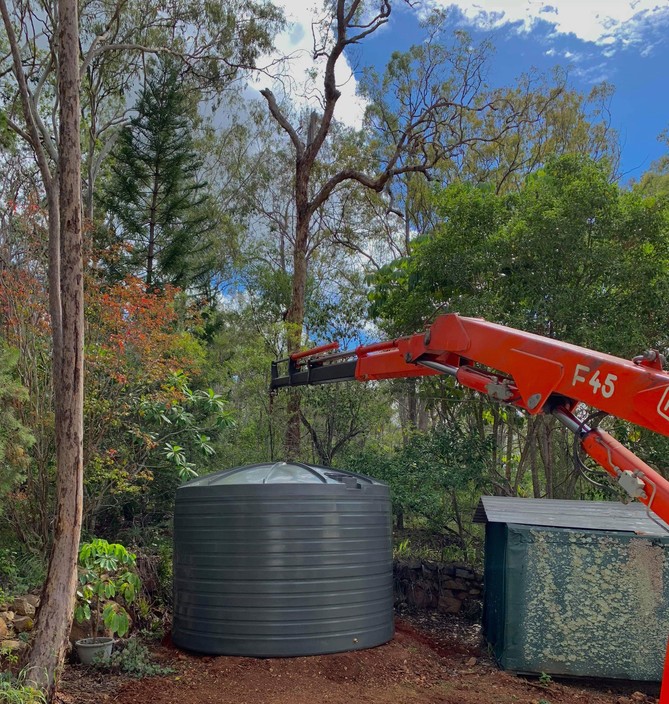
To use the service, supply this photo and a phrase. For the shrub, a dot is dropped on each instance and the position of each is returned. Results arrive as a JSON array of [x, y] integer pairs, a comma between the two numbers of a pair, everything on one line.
[[135, 660], [109, 573]]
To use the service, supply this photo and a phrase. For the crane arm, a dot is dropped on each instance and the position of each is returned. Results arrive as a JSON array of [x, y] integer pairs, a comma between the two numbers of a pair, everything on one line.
[[531, 372], [534, 373]]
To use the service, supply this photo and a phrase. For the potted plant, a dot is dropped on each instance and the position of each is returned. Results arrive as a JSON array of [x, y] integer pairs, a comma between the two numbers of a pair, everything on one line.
[[107, 579]]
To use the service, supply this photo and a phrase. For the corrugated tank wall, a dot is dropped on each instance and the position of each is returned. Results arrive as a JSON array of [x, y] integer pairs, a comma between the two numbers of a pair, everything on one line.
[[283, 569]]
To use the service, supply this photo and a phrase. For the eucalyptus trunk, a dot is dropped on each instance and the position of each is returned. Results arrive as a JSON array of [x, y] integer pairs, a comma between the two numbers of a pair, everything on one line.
[[295, 320], [67, 305]]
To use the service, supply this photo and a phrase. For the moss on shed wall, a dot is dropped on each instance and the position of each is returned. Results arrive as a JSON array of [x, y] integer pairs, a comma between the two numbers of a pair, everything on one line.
[[586, 603]]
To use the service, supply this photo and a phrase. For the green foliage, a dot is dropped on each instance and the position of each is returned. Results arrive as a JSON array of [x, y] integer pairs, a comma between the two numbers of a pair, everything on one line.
[[147, 427], [20, 571], [165, 571], [15, 438], [655, 182], [108, 573], [9, 655], [341, 417], [502, 257], [457, 266], [135, 660], [427, 474], [13, 690], [402, 549], [156, 195], [192, 420]]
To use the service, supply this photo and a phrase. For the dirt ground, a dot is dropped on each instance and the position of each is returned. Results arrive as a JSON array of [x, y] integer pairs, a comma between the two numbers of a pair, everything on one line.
[[433, 659]]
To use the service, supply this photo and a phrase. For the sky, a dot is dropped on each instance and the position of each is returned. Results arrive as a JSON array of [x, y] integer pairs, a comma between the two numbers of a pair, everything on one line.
[[623, 42]]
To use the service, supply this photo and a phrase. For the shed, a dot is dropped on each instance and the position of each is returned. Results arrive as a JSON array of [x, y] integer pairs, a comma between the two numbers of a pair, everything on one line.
[[575, 588], [282, 559]]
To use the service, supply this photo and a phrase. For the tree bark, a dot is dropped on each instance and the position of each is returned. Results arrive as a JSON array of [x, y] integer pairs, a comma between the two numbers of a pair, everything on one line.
[[294, 323], [55, 616]]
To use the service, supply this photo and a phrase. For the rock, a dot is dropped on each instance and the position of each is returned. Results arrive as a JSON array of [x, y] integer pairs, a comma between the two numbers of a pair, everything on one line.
[[458, 584], [7, 617], [23, 624], [429, 568], [414, 563], [12, 645], [638, 697], [446, 571], [421, 596], [80, 630], [23, 607], [464, 573], [32, 599], [449, 605], [474, 592], [471, 662], [4, 631]]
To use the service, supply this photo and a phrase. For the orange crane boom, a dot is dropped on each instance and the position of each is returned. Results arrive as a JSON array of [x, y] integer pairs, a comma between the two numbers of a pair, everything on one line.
[[534, 373]]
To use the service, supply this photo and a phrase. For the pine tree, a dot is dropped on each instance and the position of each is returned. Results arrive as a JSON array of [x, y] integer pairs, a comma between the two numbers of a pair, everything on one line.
[[157, 204]]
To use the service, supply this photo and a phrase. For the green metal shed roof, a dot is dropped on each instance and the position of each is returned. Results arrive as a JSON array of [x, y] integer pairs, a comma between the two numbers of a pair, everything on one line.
[[557, 513]]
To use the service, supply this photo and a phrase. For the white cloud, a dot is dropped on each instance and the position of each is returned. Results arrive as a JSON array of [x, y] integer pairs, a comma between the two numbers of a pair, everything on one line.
[[571, 56], [599, 21], [297, 43]]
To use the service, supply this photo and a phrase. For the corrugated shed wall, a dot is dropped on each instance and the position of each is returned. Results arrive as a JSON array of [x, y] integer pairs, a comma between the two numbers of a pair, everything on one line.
[[579, 602]]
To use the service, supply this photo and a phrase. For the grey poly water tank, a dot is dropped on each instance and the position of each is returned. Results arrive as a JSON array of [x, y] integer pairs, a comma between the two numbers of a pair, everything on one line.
[[276, 560]]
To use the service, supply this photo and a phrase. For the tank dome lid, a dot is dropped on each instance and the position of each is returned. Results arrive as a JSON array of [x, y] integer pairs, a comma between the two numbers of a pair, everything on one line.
[[281, 473]]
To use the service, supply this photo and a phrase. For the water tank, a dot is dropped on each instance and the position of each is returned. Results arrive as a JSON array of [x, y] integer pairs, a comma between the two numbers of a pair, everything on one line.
[[284, 559]]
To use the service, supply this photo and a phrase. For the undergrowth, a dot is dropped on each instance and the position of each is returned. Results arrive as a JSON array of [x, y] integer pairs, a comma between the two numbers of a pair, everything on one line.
[[134, 660], [13, 690]]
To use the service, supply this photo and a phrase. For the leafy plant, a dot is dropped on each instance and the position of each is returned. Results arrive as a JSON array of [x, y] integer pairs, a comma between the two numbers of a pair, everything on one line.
[[135, 660], [545, 679], [109, 573], [13, 690], [9, 656], [401, 549]]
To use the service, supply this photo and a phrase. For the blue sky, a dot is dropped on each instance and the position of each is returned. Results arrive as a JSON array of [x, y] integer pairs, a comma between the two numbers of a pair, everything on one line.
[[624, 42], [636, 63]]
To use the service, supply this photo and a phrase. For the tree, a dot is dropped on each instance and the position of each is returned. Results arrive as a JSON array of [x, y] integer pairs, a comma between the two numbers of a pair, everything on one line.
[[115, 40], [655, 182], [436, 478], [426, 109], [62, 183], [157, 203]]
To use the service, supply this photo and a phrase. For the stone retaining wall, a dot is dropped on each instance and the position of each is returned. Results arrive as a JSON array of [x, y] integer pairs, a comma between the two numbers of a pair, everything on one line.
[[449, 588], [16, 617]]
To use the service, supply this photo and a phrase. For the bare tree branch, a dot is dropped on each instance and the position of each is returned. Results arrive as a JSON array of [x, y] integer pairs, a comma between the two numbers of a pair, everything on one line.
[[283, 122]]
